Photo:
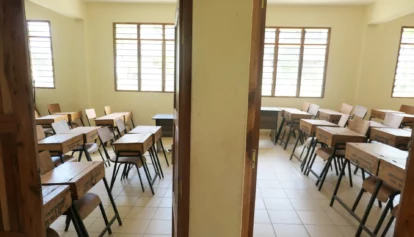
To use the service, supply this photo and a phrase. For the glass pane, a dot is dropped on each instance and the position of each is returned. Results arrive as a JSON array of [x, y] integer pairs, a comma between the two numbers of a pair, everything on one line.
[[126, 31], [292, 36], [151, 32], [151, 65]]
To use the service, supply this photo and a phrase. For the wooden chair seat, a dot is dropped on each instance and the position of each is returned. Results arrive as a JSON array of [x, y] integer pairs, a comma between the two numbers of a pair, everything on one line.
[[326, 152], [51, 233], [87, 204], [385, 191], [66, 158]]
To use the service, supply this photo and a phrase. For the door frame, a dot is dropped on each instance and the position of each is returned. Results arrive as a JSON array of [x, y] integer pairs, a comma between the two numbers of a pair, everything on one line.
[[253, 116], [182, 115]]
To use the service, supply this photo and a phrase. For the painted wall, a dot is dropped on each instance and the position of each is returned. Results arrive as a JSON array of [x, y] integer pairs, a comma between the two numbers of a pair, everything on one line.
[[380, 52], [68, 59], [100, 19], [382, 11], [219, 115], [344, 53]]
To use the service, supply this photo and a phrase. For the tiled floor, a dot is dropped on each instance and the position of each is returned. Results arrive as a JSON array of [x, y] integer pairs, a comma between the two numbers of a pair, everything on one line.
[[288, 203]]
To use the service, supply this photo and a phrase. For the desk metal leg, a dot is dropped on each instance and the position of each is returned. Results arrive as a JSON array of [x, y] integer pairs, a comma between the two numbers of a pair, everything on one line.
[[163, 150], [88, 156], [307, 152], [368, 210], [156, 159], [111, 198], [280, 130], [147, 173], [296, 144]]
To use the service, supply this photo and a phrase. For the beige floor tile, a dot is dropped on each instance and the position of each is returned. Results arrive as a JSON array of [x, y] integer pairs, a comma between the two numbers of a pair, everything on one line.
[[261, 216], [278, 204], [163, 214], [323, 231], [305, 204], [159, 227], [263, 230], [284, 217], [273, 193], [314, 218], [284, 230], [142, 213], [127, 201], [259, 204], [149, 202], [133, 226]]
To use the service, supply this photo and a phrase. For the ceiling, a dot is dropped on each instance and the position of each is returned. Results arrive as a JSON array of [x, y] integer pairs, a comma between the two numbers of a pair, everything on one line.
[[287, 2]]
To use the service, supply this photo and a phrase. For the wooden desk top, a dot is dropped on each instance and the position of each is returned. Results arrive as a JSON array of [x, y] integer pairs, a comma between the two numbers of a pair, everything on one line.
[[309, 125], [380, 113], [163, 116], [109, 120], [90, 134], [134, 142], [296, 115], [80, 176], [61, 142], [273, 109], [56, 201], [332, 135], [398, 132], [329, 115], [112, 116], [328, 111], [395, 137], [49, 119], [126, 115], [374, 124], [407, 118], [71, 115], [156, 131]]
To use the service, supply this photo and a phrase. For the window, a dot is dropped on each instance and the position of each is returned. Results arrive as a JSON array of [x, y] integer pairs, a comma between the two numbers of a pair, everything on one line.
[[404, 73], [41, 59], [294, 61], [144, 57]]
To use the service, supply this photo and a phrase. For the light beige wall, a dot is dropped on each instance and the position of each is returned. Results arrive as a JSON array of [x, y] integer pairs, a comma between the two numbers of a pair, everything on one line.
[[382, 11], [344, 53], [220, 67], [380, 52], [68, 55], [100, 19]]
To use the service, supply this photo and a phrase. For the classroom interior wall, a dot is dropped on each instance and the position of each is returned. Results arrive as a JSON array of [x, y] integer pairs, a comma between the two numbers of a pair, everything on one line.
[[360, 70]]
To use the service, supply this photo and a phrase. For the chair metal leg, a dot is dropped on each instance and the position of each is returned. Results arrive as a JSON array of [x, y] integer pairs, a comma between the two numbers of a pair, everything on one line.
[[383, 215], [154, 152], [67, 223], [80, 155], [165, 154], [350, 174], [354, 207], [310, 165], [288, 137], [105, 217], [140, 179], [111, 198], [387, 227]]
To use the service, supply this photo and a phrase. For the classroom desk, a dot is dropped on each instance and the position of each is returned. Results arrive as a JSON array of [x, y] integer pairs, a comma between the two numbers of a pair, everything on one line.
[[49, 119], [81, 177], [308, 127], [269, 120], [329, 115], [56, 201], [334, 137], [380, 113], [156, 132], [89, 134], [166, 123], [293, 117], [408, 119], [61, 143], [384, 161], [395, 137], [135, 145], [109, 120], [72, 116]]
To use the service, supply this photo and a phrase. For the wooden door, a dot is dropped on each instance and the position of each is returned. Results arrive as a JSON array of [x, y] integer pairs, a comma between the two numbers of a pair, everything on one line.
[[253, 117], [20, 190], [182, 118]]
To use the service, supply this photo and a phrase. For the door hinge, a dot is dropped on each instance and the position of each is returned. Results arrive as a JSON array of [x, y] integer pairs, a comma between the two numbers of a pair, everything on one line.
[[253, 158]]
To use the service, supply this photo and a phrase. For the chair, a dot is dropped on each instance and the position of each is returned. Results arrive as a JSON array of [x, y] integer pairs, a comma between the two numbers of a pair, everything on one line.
[[120, 127], [314, 109], [346, 108], [336, 153], [48, 131], [408, 109], [305, 106], [57, 160], [90, 114], [343, 121], [53, 108], [62, 127], [394, 213], [106, 136], [360, 111], [392, 120], [45, 162], [107, 110]]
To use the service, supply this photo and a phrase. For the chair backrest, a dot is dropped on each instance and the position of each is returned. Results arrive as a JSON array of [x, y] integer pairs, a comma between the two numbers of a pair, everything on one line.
[[359, 125], [360, 111], [105, 134], [60, 127], [346, 108], [90, 113], [44, 162], [107, 110], [120, 125], [40, 133], [393, 120], [305, 106], [408, 109], [343, 121], [53, 108], [313, 109], [37, 114]]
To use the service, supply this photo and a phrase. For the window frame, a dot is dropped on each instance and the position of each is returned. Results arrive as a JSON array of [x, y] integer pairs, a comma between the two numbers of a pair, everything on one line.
[[138, 53], [300, 61], [396, 64], [51, 52]]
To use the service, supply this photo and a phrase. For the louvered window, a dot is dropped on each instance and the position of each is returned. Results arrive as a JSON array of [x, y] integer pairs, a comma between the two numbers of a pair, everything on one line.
[[404, 73], [294, 62], [144, 57], [41, 58]]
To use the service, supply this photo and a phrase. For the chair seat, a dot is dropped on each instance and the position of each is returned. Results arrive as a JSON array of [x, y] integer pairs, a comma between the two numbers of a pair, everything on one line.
[[129, 160], [87, 204], [51, 233], [385, 191], [326, 152], [66, 158]]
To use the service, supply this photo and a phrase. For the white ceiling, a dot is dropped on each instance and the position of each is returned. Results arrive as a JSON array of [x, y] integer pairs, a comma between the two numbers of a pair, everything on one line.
[[288, 2]]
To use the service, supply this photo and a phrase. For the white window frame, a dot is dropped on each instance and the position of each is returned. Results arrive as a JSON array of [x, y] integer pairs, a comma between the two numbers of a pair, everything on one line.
[[397, 63]]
